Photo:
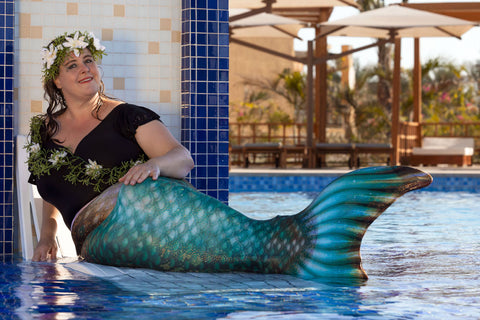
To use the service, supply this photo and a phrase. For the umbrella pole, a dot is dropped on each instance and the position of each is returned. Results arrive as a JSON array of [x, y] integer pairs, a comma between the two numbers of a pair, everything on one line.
[[310, 104], [396, 104], [417, 91]]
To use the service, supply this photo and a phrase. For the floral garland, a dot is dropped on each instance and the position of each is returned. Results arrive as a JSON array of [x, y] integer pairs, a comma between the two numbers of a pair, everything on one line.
[[41, 161], [55, 52]]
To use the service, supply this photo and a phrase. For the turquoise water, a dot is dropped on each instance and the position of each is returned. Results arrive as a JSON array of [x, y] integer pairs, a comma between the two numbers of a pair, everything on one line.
[[422, 256]]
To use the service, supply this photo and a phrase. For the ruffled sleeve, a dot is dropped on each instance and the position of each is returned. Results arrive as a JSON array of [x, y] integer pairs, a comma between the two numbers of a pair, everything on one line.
[[131, 117]]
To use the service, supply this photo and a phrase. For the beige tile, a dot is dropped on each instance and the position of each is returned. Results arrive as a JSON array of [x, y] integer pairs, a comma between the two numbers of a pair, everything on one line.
[[153, 47], [165, 96], [119, 10], [107, 34], [165, 24], [24, 32], [25, 19], [15, 94], [36, 32], [72, 8], [36, 106], [118, 83], [29, 32], [176, 36]]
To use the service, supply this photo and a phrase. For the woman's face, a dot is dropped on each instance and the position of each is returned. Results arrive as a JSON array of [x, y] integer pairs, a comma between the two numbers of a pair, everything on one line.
[[78, 77]]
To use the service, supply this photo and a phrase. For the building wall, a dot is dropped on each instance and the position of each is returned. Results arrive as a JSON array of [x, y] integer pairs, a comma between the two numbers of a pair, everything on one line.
[[248, 66], [170, 56]]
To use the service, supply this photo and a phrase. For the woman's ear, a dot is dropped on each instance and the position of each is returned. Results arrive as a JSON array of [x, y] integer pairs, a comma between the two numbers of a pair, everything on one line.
[[57, 83]]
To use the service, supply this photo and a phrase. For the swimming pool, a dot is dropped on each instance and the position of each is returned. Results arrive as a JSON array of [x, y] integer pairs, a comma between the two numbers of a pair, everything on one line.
[[422, 256]]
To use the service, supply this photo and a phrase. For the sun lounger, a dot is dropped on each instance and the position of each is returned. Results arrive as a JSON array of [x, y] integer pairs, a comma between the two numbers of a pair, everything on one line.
[[372, 148], [322, 149], [444, 150], [269, 151], [299, 153]]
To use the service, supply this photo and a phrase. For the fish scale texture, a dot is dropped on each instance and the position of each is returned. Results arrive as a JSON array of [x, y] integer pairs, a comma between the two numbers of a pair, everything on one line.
[[167, 225]]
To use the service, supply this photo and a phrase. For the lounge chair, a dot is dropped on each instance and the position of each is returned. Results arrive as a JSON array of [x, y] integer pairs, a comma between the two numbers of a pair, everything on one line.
[[322, 149], [271, 151], [30, 211], [444, 150], [372, 148]]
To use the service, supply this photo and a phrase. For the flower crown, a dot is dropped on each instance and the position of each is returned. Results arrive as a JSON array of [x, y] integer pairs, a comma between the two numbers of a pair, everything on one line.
[[55, 52]]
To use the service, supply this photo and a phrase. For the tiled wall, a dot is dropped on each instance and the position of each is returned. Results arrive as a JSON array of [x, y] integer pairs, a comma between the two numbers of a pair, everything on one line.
[[145, 41], [205, 93], [305, 182], [6, 127], [142, 40]]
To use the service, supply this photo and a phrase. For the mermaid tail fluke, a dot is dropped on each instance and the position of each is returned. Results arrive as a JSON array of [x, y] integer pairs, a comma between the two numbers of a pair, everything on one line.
[[167, 225], [344, 210]]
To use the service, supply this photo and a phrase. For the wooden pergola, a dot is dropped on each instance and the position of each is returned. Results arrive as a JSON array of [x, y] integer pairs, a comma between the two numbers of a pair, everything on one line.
[[314, 16], [463, 10]]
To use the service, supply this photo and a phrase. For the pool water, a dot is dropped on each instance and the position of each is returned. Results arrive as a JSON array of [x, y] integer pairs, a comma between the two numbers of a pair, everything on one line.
[[422, 256]]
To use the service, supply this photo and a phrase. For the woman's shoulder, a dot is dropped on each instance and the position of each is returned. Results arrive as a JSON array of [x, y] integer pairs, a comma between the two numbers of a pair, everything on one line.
[[129, 110], [128, 117]]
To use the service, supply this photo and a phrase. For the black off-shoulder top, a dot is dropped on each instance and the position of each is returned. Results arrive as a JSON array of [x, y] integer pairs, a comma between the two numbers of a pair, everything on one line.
[[109, 144]]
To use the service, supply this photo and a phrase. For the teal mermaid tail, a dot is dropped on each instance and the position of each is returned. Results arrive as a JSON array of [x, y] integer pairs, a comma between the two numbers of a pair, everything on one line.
[[167, 225]]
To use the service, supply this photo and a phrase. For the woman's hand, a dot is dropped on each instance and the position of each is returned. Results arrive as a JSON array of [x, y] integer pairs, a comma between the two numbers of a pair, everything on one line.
[[46, 250], [140, 172], [166, 155], [47, 246]]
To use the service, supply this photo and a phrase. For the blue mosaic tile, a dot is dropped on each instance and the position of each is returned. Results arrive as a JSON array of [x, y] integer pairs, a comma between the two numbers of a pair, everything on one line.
[[250, 183], [7, 25], [201, 111]]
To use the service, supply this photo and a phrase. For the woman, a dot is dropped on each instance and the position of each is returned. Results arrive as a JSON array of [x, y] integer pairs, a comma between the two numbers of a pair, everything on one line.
[[108, 167], [96, 134]]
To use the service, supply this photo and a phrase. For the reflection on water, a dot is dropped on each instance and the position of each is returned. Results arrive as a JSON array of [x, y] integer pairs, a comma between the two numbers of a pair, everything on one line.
[[422, 256]]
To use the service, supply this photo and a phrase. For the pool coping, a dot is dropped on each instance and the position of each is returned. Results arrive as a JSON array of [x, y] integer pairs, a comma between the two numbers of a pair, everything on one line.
[[434, 171]]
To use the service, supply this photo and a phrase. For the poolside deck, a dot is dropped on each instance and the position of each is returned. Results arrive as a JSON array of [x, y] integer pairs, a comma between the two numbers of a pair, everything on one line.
[[152, 282], [334, 171]]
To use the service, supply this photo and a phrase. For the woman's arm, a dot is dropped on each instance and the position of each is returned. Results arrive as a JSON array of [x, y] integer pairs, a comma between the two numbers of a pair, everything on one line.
[[47, 246], [167, 156]]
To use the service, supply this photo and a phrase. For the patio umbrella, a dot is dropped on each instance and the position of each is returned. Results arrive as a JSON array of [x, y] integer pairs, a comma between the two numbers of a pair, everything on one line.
[[395, 22], [263, 24], [292, 3], [402, 21]]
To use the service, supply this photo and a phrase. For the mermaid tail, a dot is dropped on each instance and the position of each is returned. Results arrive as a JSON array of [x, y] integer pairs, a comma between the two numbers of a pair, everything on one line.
[[169, 226]]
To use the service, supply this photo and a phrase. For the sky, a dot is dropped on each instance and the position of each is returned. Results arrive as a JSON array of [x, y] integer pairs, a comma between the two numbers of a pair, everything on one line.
[[466, 50]]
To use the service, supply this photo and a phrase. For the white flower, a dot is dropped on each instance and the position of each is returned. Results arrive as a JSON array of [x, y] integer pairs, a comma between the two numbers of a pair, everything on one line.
[[34, 148], [96, 42], [76, 43], [92, 168], [57, 157], [49, 55]]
